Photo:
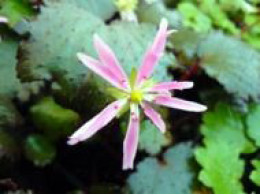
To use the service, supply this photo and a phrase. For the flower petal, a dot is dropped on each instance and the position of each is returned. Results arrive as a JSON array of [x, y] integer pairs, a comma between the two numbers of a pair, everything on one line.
[[150, 97], [99, 69], [96, 123], [3, 19], [108, 59], [131, 139], [154, 116], [177, 103], [153, 53], [171, 85]]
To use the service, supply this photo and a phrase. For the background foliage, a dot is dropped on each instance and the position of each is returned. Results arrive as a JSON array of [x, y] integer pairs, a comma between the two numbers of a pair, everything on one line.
[[45, 95]]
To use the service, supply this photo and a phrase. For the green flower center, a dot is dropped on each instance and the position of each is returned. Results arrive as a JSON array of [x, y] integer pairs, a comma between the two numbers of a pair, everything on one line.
[[136, 96]]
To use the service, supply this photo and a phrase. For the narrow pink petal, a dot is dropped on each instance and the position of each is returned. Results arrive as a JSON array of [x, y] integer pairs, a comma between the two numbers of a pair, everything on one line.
[[150, 97], [3, 19], [154, 116], [108, 58], [153, 53], [131, 139], [177, 103], [99, 69], [171, 85], [96, 123]]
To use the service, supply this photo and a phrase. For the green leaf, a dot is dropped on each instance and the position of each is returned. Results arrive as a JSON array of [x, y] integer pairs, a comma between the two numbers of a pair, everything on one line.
[[219, 17], [255, 175], [54, 120], [15, 10], [252, 22], [8, 145], [151, 139], [235, 65], [253, 128], [126, 6], [39, 150], [222, 170], [173, 176], [9, 116], [187, 41], [194, 18], [231, 62], [50, 54], [9, 84], [236, 5], [155, 11], [252, 32], [104, 9], [252, 39], [224, 140]]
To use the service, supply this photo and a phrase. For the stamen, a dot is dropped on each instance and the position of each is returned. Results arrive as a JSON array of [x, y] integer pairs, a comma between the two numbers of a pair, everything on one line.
[[136, 96]]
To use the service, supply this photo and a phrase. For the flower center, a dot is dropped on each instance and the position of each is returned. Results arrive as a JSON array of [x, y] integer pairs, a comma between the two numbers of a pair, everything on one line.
[[136, 96]]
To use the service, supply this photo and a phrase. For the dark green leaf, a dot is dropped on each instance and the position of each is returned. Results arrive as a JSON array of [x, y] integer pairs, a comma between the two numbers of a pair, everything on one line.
[[39, 150], [54, 120]]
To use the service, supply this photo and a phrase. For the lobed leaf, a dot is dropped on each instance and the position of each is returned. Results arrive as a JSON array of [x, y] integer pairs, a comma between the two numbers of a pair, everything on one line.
[[234, 64], [174, 175], [252, 120], [255, 175], [151, 139], [104, 9], [50, 54], [224, 140], [9, 83]]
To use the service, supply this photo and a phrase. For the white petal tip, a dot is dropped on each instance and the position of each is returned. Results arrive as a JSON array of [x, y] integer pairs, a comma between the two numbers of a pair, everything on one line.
[[189, 84], [164, 22], [72, 141], [80, 55], [162, 128], [163, 131], [205, 108], [200, 108], [96, 37], [3, 20], [127, 167]]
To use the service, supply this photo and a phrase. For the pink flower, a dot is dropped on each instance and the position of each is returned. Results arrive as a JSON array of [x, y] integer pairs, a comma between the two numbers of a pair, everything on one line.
[[138, 92]]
